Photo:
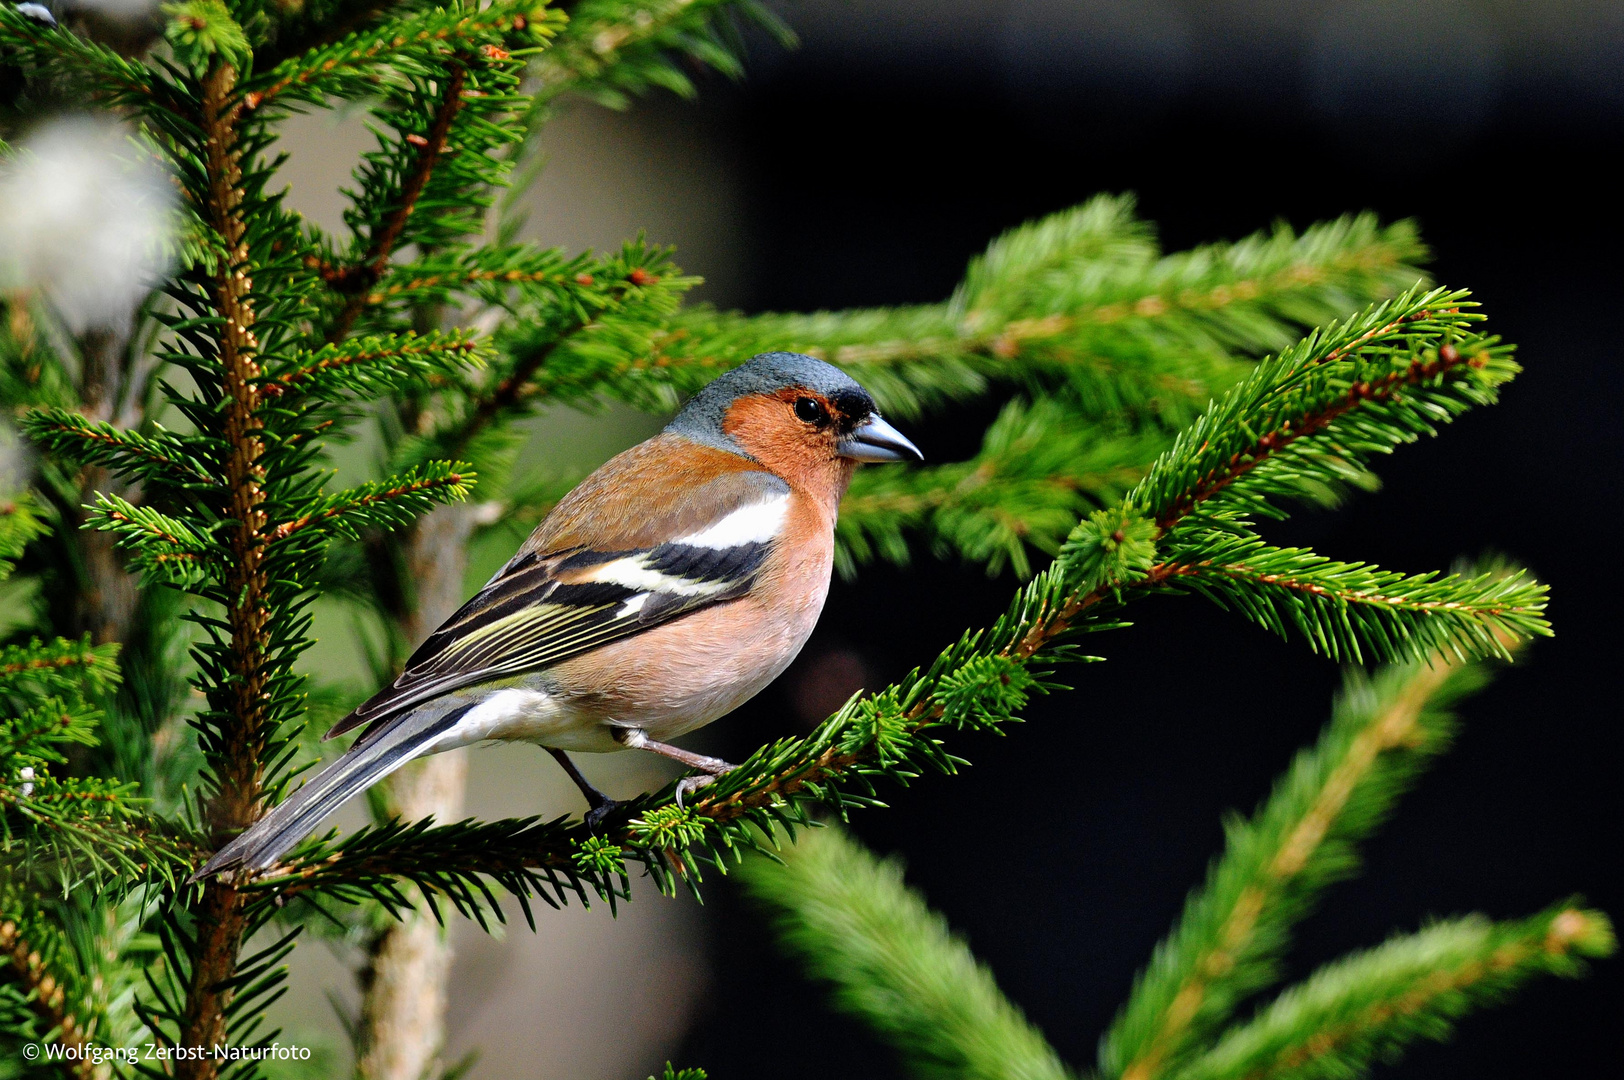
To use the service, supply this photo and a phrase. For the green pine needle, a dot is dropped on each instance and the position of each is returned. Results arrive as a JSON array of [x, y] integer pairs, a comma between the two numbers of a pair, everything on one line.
[[19, 523], [1311, 418], [161, 547], [380, 504], [1120, 328], [155, 456], [893, 963], [1344, 610], [1383, 732], [1364, 1010]]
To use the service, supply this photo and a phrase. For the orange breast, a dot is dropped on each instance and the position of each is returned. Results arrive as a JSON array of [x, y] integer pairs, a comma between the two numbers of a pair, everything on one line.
[[682, 675]]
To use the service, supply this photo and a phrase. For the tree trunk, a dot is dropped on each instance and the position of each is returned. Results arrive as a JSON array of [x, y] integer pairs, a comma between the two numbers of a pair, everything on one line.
[[404, 1000], [403, 1011], [107, 593]]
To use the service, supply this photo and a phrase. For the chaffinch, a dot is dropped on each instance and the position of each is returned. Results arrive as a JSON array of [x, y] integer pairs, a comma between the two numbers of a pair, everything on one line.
[[666, 590]]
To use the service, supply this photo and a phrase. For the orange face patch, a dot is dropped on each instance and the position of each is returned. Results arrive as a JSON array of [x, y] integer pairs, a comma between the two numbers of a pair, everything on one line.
[[792, 432]]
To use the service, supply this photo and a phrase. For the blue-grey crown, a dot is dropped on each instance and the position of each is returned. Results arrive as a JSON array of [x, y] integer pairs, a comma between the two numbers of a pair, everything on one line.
[[701, 418]]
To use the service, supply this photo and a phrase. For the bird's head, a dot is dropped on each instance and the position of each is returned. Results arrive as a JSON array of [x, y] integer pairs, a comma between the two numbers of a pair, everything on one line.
[[797, 416]]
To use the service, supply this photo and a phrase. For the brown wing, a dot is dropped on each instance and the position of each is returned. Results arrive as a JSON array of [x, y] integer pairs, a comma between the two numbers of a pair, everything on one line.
[[552, 602]]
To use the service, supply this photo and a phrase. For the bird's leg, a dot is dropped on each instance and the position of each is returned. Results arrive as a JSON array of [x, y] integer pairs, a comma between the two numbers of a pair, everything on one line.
[[709, 767], [599, 803]]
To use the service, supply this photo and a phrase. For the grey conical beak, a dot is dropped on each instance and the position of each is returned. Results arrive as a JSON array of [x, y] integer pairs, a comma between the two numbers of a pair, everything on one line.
[[875, 440]]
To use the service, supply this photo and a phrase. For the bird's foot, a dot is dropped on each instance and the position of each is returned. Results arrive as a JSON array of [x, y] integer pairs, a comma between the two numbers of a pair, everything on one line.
[[600, 810], [690, 784]]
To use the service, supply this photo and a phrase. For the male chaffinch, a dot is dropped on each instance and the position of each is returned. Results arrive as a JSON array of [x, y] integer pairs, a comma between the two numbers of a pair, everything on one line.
[[671, 586]]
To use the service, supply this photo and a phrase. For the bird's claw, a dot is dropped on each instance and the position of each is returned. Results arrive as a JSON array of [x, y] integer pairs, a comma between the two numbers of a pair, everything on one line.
[[690, 784], [594, 817]]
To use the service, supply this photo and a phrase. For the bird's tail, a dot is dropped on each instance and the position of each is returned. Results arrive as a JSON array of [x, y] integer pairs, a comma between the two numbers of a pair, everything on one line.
[[364, 764]]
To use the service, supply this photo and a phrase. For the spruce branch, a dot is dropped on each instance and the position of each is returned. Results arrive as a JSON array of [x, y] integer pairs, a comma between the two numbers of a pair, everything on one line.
[[1110, 558], [20, 522], [1383, 732], [313, 25], [673, 1073], [1305, 424], [1366, 1008], [490, 274], [1343, 609], [160, 547], [566, 315], [81, 831], [1311, 418], [374, 364], [894, 964], [1125, 331], [585, 336], [850, 920], [1098, 237], [611, 49], [155, 456], [365, 60], [382, 504], [59, 665], [45, 995], [430, 146], [388, 232], [439, 862], [109, 77], [76, 829], [37, 733], [429, 184]]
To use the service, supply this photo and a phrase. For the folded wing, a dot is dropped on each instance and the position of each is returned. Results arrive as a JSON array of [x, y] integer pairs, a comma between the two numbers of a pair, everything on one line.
[[546, 606]]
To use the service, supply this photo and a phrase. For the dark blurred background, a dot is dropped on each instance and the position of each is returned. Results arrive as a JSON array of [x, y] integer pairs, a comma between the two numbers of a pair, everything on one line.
[[871, 163]]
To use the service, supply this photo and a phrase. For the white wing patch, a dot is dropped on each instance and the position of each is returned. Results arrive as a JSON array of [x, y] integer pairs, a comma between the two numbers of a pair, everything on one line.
[[633, 572], [756, 523]]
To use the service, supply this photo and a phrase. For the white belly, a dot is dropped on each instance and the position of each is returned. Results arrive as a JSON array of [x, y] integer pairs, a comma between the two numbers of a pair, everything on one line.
[[524, 714]]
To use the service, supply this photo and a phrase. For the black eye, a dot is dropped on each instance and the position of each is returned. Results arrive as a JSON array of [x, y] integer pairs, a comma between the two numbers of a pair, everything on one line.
[[810, 410]]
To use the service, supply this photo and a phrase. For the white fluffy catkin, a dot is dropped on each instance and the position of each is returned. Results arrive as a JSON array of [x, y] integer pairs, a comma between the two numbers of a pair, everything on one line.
[[84, 217]]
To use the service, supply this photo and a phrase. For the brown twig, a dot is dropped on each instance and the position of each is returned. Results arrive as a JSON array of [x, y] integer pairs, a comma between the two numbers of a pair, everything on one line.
[[361, 277]]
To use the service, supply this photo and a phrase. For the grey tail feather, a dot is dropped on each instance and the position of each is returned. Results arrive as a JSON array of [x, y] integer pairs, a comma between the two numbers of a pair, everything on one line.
[[364, 764]]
